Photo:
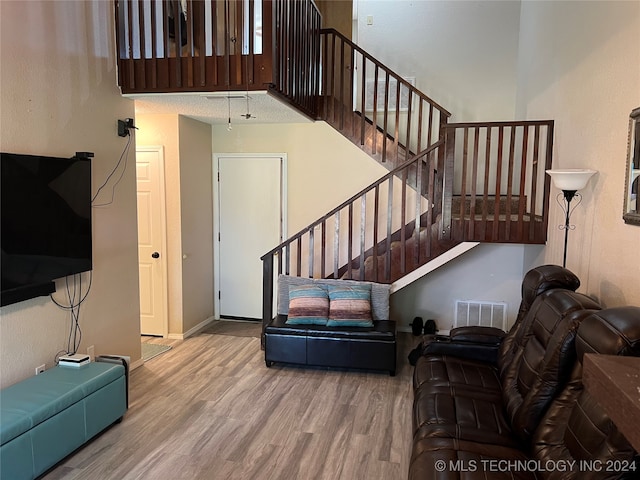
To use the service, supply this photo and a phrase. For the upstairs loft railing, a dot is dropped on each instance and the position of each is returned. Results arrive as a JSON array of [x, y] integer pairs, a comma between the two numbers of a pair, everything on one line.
[[194, 45]]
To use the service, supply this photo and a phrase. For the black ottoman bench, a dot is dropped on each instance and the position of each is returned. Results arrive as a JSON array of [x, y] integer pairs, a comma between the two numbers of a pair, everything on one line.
[[345, 347]]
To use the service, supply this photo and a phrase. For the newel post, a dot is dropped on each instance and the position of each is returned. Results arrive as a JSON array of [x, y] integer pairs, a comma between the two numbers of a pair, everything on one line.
[[445, 166], [267, 293]]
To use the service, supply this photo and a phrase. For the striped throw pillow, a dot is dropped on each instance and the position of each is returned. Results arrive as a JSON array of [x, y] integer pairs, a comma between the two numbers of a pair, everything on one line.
[[350, 306], [308, 305]]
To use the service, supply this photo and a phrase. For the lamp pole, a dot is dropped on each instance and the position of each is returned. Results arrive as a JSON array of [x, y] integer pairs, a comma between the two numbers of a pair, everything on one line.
[[566, 206]]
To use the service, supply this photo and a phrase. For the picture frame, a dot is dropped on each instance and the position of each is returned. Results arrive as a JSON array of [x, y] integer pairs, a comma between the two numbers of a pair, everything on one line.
[[631, 212]]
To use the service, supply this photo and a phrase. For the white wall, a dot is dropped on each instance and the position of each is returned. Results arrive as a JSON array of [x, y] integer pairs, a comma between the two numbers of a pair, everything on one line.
[[463, 54], [324, 168], [580, 65], [196, 221], [163, 130], [188, 189], [58, 96], [488, 272]]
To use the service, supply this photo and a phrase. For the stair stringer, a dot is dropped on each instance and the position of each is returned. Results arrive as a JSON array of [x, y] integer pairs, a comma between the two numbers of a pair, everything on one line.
[[432, 265]]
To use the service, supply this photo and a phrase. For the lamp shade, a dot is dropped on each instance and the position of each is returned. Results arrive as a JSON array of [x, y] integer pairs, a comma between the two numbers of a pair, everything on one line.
[[571, 178]]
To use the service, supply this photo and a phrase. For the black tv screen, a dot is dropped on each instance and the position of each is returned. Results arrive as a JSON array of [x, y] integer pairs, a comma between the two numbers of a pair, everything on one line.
[[45, 221]]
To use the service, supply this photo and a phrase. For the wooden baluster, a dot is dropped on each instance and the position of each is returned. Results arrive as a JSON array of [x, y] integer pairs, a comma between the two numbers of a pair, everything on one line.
[[299, 257], [420, 105], [430, 196], [374, 115], [512, 147], [199, 20], [311, 252], [214, 44], [250, 79], [523, 182], [403, 221], [430, 127], [387, 258], [376, 217], [130, 51], [463, 185], [547, 181], [385, 128], [407, 144], [396, 130], [143, 42], [287, 262], [498, 190], [178, 42], [363, 99], [351, 91], [474, 184], [363, 225], [416, 241], [485, 196], [154, 46], [336, 246], [534, 181], [342, 100], [227, 45], [279, 261], [323, 259], [350, 243]]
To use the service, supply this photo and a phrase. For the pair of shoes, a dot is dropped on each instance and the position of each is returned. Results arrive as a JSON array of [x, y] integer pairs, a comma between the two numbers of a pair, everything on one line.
[[418, 325]]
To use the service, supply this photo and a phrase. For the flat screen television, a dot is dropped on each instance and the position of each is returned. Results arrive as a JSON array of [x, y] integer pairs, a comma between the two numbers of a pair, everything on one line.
[[45, 223]]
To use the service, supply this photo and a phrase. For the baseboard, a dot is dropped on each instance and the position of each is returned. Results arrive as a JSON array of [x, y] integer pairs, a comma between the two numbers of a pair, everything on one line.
[[191, 331], [136, 364]]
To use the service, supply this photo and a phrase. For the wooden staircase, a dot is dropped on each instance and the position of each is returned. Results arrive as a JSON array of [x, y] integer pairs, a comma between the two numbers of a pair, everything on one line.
[[448, 183]]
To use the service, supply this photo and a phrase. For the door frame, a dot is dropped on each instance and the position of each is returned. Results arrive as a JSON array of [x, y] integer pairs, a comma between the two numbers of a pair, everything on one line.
[[216, 212], [163, 227]]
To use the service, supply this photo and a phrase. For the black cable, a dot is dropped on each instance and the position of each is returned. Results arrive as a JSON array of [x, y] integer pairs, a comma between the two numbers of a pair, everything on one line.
[[76, 299], [124, 155]]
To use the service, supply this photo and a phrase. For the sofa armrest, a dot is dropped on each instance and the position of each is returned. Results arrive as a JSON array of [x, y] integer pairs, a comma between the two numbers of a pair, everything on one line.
[[479, 335], [465, 344]]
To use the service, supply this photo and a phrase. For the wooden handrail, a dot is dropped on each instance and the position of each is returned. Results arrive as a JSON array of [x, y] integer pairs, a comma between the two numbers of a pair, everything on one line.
[[377, 109], [380, 65]]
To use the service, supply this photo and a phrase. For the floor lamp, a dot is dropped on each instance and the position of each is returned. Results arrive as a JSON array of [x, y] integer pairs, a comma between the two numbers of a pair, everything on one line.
[[569, 180]]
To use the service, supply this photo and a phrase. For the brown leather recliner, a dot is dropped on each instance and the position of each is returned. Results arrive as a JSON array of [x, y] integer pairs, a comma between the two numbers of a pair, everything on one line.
[[485, 343], [450, 446]]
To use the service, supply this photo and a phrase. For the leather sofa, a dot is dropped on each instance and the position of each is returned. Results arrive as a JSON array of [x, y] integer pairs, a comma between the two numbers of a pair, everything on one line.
[[526, 415], [370, 348]]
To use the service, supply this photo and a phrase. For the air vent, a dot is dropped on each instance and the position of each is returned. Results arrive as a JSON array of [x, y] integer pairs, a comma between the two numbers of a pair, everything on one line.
[[487, 314]]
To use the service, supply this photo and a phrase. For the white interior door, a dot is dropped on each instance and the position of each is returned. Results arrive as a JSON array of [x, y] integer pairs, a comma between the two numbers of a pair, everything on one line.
[[250, 200], [151, 241]]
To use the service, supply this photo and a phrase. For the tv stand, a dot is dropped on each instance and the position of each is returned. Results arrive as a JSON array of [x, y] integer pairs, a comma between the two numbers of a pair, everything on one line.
[[26, 292]]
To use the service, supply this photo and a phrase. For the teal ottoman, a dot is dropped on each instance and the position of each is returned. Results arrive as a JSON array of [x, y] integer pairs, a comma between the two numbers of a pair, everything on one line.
[[46, 417]]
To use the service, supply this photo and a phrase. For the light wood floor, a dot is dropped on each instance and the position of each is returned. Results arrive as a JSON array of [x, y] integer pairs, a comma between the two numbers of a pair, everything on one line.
[[209, 409]]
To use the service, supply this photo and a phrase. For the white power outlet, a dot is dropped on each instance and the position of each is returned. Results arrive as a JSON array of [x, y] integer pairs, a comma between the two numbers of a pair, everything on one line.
[[40, 369], [91, 352]]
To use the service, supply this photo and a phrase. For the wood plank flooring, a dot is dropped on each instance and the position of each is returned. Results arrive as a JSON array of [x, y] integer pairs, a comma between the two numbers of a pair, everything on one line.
[[210, 409]]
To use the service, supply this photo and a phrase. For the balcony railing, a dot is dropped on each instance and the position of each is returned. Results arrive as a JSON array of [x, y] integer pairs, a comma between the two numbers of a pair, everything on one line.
[[194, 45]]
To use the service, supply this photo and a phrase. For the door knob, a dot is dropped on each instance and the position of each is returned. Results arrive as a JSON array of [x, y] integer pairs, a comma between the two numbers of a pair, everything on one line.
[[155, 255]]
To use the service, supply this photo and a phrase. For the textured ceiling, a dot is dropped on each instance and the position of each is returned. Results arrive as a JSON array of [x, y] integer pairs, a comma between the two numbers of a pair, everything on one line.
[[213, 108]]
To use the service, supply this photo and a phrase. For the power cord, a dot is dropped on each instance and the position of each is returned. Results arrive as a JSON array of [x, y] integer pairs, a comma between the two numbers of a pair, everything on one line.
[[75, 300], [124, 155]]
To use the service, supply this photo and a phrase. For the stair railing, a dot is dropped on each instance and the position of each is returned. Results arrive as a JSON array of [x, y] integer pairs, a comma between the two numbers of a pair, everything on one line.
[[382, 112], [368, 221], [494, 187], [296, 69]]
